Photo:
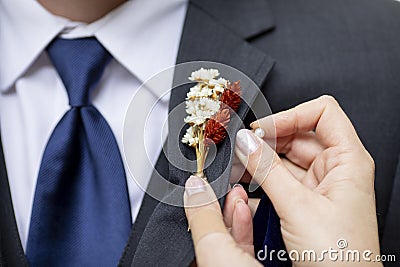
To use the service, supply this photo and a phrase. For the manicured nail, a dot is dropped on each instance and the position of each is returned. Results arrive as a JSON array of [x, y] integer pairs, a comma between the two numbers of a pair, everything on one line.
[[247, 142], [237, 185], [195, 185]]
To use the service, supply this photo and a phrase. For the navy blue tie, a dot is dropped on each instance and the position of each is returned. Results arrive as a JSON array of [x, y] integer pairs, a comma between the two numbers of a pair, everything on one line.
[[81, 212]]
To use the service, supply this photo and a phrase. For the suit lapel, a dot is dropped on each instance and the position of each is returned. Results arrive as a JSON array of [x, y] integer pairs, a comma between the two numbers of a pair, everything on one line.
[[11, 252], [247, 19], [146, 210], [165, 239]]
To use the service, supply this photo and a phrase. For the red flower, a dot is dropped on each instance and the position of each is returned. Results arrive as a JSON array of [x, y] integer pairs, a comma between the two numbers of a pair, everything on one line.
[[215, 129], [231, 95]]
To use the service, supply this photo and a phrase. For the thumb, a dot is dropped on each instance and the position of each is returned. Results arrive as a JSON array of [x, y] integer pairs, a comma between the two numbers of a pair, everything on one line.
[[213, 245], [267, 169], [202, 209]]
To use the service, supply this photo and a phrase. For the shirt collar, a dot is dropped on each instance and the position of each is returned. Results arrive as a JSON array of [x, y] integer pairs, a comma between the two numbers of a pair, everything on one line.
[[25, 30], [142, 35]]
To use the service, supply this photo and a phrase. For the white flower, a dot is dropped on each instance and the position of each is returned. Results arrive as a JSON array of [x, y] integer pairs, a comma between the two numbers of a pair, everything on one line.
[[201, 109], [221, 82], [205, 107], [208, 106], [189, 137], [218, 86], [195, 120], [204, 75], [198, 91]]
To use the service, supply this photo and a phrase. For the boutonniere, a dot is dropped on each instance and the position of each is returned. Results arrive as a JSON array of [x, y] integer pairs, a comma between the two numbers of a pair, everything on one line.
[[209, 105]]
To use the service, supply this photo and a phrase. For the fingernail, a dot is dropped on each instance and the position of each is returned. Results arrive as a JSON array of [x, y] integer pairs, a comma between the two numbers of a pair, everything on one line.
[[247, 142], [237, 185], [195, 185], [239, 202]]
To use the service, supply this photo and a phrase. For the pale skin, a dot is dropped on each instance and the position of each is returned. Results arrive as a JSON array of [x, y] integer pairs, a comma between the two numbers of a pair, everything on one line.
[[323, 191], [80, 10]]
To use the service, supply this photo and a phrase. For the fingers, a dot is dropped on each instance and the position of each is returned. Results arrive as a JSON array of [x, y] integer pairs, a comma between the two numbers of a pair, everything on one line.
[[296, 171], [202, 209], [303, 176], [242, 227], [319, 114], [214, 246], [234, 195], [300, 148], [268, 170], [238, 217]]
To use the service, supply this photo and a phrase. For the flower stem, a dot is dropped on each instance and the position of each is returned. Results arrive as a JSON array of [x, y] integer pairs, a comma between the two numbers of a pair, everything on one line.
[[201, 153]]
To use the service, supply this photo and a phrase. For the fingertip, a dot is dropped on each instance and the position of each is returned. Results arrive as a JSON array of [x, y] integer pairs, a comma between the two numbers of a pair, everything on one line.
[[236, 193], [199, 194], [237, 185], [195, 185], [242, 211], [254, 124], [241, 192], [242, 228], [239, 203], [266, 124], [247, 143]]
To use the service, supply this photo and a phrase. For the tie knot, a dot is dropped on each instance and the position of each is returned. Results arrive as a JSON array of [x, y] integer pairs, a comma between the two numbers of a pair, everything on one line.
[[80, 64]]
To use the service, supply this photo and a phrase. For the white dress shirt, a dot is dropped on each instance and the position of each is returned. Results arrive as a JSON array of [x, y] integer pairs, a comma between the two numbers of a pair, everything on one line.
[[143, 36]]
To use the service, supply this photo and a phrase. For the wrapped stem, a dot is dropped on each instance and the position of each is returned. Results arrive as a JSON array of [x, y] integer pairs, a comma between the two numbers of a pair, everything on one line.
[[201, 153]]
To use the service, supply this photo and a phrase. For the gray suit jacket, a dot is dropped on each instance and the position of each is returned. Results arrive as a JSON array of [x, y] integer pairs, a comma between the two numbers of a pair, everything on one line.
[[294, 50]]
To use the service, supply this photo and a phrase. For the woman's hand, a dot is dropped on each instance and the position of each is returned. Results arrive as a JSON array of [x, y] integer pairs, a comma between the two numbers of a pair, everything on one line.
[[323, 191], [214, 244]]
